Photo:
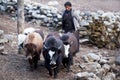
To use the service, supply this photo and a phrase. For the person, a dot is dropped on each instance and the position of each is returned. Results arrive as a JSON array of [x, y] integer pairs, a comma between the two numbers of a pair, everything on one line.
[[70, 19]]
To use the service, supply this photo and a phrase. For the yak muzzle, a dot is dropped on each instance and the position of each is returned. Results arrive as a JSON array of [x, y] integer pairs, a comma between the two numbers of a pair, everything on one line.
[[52, 63]]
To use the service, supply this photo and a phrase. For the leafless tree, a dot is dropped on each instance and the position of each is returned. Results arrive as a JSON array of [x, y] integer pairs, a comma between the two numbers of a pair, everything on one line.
[[20, 16]]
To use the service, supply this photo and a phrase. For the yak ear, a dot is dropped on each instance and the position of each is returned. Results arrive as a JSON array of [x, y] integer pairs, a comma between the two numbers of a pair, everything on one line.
[[43, 43], [71, 42], [59, 51], [26, 45]]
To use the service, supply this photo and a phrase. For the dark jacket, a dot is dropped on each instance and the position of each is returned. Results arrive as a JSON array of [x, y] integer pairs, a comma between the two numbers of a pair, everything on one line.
[[67, 21]]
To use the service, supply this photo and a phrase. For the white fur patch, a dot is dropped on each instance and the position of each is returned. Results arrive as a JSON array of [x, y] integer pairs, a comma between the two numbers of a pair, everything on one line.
[[29, 57], [28, 30], [21, 38], [51, 53], [53, 62], [67, 47], [60, 34]]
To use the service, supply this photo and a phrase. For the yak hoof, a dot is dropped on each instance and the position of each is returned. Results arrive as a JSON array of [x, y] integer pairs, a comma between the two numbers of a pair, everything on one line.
[[72, 63], [31, 69], [35, 67], [55, 76], [50, 74]]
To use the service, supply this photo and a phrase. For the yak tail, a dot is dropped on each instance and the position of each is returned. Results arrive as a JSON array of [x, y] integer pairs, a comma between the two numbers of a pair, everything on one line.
[[76, 33]]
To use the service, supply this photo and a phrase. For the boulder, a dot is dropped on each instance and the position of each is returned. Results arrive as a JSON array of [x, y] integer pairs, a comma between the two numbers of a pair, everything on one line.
[[90, 67], [86, 76], [95, 15], [103, 60], [84, 23], [93, 77], [53, 3], [91, 57], [9, 37], [109, 76], [83, 40], [59, 16], [106, 68], [81, 76], [111, 60], [117, 59], [100, 12], [49, 15]]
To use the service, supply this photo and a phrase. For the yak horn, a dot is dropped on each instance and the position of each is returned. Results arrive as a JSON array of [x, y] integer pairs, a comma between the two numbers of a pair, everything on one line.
[[45, 47], [59, 46]]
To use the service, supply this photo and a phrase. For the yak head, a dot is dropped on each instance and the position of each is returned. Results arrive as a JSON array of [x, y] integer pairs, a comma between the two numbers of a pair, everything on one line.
[[52, 53], [67, 44], [30, 51]]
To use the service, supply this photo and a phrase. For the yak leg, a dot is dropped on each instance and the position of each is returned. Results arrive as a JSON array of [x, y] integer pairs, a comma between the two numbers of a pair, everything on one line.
[[35, 62], [36, 58], [31, 64], [39, 55], [64, 62], [56, 71], [69, 62], [48, 68]]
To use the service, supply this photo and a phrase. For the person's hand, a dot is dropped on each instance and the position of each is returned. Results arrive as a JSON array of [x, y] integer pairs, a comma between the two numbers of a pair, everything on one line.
[[77, 28], [61, 31]]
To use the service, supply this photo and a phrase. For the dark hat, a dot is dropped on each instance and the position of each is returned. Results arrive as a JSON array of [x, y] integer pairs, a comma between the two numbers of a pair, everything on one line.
[[68, 4]]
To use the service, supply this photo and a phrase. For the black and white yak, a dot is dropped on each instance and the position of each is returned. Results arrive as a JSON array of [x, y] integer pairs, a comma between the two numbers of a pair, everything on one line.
[[71, 44], [53, 52]]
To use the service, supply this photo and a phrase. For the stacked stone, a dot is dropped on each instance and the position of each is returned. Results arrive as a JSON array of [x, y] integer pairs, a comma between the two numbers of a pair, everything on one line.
[[34, 12], [1, 41]]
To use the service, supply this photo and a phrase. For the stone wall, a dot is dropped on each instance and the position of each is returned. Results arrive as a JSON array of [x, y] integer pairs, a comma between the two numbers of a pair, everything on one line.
[[34, 12]]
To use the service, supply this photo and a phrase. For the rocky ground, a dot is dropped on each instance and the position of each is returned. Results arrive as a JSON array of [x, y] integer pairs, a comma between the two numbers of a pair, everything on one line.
[[14, 66]]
